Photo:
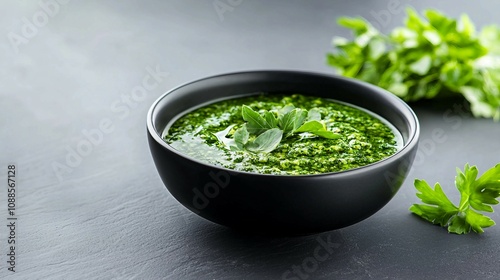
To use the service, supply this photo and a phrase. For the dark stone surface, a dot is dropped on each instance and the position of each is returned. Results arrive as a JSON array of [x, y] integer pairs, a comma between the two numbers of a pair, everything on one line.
[[105, 214]]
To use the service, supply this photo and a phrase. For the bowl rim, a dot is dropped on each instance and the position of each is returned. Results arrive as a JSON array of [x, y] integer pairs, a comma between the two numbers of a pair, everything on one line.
[[413, 122]]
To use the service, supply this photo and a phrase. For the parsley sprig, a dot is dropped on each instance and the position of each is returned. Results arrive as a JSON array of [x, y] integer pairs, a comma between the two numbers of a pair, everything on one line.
[[263, 132], [435, 56], [477, 194]]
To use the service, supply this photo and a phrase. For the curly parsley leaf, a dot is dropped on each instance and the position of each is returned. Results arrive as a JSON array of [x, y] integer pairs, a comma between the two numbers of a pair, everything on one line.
[[428, 57], [477, 194], [263, 132]]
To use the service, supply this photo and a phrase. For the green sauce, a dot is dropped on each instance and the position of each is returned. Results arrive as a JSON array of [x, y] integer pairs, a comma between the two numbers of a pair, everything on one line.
[[365, 138]]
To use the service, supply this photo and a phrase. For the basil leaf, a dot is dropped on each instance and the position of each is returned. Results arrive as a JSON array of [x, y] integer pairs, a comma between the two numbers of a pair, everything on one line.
[[266, 142], [300, 118], [221, 136], [326, 134], [256, 124], [311, 126], [313, 115], [285, 110], [270, 130], [319, 129], [292, 120], [241, 136], [271, 120]]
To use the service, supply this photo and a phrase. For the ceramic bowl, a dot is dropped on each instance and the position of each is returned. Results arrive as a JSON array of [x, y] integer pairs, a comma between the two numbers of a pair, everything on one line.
[[281, 203]]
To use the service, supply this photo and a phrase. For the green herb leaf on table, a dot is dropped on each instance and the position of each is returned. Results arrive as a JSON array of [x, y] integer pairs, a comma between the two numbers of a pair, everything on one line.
[[262, 133], [477, 194], [427, 57]]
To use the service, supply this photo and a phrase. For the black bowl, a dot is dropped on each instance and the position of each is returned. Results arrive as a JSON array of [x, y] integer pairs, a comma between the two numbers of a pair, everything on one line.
[[281, 203]]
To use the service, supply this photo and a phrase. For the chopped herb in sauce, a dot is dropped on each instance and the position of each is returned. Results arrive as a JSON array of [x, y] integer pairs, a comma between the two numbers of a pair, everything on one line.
[[223, 134]]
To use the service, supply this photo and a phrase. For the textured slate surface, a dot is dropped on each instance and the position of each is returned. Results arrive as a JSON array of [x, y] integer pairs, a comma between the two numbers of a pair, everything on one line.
[[106, 215]]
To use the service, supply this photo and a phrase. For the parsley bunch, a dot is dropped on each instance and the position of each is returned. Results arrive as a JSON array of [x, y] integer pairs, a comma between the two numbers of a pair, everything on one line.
[[263, 132], [429, 57], [477, 194]]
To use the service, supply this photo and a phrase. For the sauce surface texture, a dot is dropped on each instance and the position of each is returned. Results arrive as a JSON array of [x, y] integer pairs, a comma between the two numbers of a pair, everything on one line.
[[365, 139]]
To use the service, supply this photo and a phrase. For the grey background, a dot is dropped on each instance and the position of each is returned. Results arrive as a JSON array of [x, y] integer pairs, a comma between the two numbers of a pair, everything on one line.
[[108, 216]]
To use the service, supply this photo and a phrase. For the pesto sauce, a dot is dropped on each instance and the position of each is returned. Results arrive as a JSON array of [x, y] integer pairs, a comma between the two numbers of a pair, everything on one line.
[[365, 138]]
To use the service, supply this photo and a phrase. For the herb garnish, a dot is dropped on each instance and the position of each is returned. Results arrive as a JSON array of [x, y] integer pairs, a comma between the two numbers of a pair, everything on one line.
[[429, 57], [264, 131], [476, 195]]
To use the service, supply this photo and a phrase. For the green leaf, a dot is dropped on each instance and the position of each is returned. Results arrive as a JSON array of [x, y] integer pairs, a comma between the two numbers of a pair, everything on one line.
[[263, 132], [490, 38], [256, 124], [490, 179], [486, 190], [455, 75], [402, 34], [358, 25], [271, 119], [440, 22], [442, 208], [266, 142], [433, 37], [421, 66], [432, 46], [285, 110], [458, 225], [476, 194], [319, 129], [292, 120], [466, 26], [313, 115], [478, 221], [241, 137], [221, 136], [326, 134], [415, 22], [376, 48], [311, 126], [399, 89]]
